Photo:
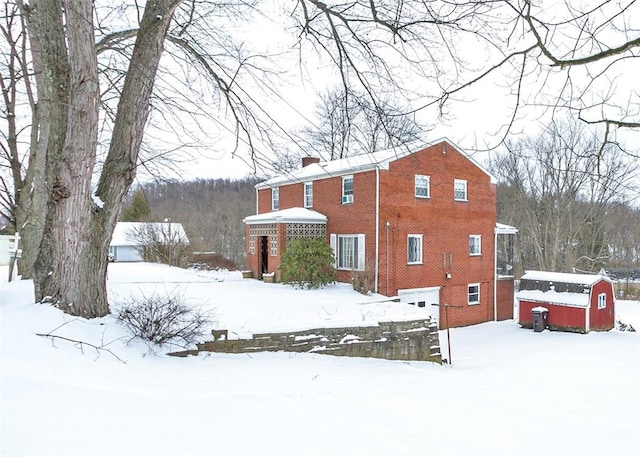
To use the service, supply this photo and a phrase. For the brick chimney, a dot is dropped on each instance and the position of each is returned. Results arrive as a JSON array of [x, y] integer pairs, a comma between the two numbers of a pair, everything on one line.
[[309, 160]]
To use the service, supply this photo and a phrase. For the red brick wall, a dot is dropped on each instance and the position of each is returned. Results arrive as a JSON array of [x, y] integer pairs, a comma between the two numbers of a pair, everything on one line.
[[445, 225], [504, 300]]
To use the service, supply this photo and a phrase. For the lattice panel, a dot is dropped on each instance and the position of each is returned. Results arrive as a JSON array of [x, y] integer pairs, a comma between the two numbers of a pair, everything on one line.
[[252, 245], [262, 230], [298, 231], [274, 245]]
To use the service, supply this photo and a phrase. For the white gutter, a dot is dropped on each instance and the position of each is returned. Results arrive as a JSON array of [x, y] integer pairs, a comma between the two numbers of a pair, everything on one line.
[[377, 269]]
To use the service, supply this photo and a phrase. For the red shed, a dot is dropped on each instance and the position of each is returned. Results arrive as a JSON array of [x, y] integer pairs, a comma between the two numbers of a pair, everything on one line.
[[576, 302]]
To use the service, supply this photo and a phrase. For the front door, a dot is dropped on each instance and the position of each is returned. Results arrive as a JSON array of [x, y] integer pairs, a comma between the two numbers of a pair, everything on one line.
[[264, 254]]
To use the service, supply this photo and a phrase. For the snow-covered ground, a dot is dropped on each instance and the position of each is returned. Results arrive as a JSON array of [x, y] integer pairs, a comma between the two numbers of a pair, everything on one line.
[[510, 391]]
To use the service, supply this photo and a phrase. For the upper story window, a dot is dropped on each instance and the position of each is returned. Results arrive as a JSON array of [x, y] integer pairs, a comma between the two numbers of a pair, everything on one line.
[[460, 189], [422, 187], [414, 249], [602, 301], [275, 198], [474, 294], [475, 244], [308, 195], [347, 189]]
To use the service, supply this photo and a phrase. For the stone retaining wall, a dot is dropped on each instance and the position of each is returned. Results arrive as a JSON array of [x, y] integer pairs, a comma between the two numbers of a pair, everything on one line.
[[407, 340]]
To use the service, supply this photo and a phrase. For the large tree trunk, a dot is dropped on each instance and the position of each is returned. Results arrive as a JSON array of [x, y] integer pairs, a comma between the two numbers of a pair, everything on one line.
[[48, 129], [72, 261]]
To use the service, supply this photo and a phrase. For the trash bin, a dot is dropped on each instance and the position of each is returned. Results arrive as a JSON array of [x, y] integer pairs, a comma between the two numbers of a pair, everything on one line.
[[539, 318]]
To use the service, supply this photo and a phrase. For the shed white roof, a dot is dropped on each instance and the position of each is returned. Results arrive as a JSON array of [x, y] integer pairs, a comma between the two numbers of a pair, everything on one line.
[[570, 278], [122, 234], [359, 163], [290, 215], [551, 296]]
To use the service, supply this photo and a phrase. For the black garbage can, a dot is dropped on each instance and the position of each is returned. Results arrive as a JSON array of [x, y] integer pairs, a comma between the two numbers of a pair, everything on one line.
[[539, 317]]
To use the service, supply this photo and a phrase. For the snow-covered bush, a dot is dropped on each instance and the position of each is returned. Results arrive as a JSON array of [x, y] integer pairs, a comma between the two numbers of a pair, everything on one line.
[[161, 319], [308, 262]]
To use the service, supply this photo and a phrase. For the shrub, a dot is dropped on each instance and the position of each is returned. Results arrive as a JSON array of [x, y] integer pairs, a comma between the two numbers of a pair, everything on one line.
[[211, 261], [363, 281], [161, 319], [308, 262]]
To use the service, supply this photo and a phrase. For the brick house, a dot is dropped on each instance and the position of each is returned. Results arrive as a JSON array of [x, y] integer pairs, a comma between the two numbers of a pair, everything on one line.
[[421, 224]]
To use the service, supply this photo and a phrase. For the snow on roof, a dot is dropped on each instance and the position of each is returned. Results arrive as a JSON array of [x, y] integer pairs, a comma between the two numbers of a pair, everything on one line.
[[359, 163], [290, 215], [504, 229], [122, 234], [553, 297], [569, 278]]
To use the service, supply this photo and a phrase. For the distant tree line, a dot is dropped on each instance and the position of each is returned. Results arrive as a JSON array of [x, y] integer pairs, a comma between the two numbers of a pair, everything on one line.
[[210, 210]]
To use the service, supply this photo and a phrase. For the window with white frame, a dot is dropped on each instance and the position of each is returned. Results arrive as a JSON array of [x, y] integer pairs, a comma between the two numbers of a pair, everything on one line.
[[349, 251], [460, 189], [474, 294], [602, 301], [275, 198], [422, 186], [308, 194], [347, 189], [414, 249], [475, 244]]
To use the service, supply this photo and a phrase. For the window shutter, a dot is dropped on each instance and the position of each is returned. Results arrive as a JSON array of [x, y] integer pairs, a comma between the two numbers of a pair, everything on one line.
[[333, 242], [361, 252]]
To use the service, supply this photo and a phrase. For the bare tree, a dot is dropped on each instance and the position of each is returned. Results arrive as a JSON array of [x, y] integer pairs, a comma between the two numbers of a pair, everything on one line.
[[559, 189], [348, 123], [164, 242]]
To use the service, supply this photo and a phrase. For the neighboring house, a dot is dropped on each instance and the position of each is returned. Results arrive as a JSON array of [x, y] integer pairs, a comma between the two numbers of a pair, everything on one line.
[[128, 237], [421, 224], [575, 302]]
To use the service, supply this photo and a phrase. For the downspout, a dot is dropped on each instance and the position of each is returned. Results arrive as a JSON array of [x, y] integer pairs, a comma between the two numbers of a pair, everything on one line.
[[377, 270], [257, 201], [495, 274]]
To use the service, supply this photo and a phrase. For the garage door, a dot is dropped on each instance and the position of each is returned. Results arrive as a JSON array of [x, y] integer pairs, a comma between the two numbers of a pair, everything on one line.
[[424, 297]]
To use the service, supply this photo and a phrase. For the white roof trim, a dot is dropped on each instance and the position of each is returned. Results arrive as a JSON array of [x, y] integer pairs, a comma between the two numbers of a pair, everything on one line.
[[290, 215], [503, 229], [360, 163]]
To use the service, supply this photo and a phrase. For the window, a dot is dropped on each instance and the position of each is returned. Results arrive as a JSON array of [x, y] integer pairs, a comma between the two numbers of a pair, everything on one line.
[[308, 194], [347, 189], [414, 249], [423, 186], [349, 251], [602, 301], [275, 198], [460, 189], [474, 294], [475, 243]]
